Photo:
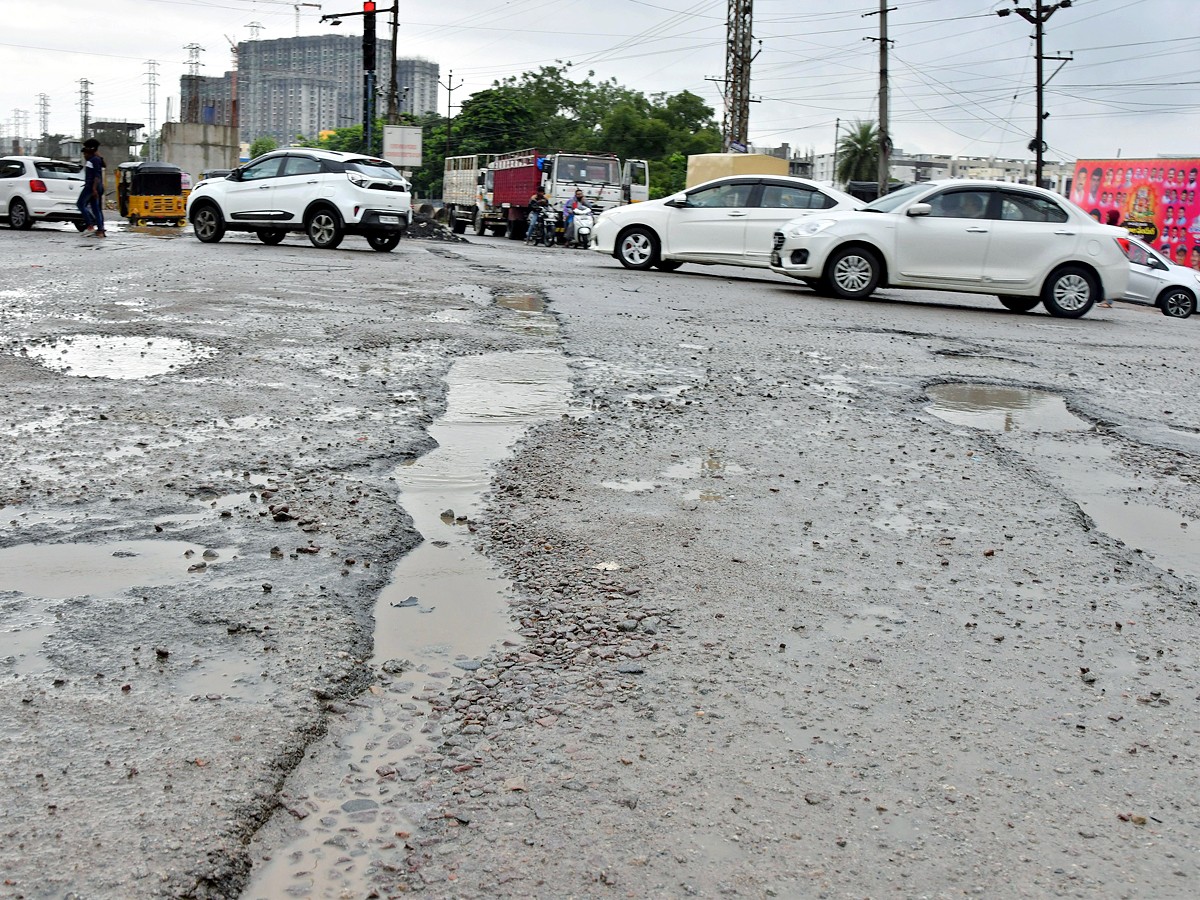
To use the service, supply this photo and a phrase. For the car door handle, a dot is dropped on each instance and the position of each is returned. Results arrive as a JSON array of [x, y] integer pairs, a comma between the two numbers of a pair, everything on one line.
[[737, 212], [264, 187], [977, 230], [1066, 233]]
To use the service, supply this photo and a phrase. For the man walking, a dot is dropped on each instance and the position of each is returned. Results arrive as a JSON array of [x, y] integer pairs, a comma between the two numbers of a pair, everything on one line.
[[91, 198]]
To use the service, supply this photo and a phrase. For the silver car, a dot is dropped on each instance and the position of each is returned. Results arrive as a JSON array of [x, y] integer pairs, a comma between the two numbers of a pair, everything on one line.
[[1156, 281]]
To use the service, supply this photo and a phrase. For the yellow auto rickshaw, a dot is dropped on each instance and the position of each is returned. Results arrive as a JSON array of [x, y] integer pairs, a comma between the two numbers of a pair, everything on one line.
[[151, 192]]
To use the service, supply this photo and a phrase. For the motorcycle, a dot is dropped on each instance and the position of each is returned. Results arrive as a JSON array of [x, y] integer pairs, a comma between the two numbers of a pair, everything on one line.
[[582, 224], [545, 230]]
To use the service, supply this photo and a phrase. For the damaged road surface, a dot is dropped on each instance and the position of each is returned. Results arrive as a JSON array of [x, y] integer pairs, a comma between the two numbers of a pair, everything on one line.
[[477, 570]]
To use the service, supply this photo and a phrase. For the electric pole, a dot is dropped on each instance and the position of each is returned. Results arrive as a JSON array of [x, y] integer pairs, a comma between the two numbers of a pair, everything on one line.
[[837, 127], [739, 35], [1037, 16], [884, 140], [43, 104], [393, 112], [450, 87]]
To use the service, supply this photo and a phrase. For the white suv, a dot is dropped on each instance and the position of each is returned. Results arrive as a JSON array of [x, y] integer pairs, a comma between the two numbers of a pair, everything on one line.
[[1022, 243], [327, 194], [37, 189]]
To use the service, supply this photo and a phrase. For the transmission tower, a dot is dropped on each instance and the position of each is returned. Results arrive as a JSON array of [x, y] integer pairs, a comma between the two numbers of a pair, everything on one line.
[[20, 127], [738, 39], [85, 108], [254, 28], [151, 107], [191, 98], [43, 105]]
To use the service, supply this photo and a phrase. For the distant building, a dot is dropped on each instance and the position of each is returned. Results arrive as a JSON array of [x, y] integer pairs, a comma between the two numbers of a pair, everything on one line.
[[932, 166], [302, 86], [798, 165]]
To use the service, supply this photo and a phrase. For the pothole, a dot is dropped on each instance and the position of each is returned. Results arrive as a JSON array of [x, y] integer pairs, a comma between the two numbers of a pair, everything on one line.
[[444, 608], [37, 576], [993, 408], [106, 356]]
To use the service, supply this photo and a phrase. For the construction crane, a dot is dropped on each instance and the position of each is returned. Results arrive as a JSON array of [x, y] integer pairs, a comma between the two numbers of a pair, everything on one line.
[[293, 5]]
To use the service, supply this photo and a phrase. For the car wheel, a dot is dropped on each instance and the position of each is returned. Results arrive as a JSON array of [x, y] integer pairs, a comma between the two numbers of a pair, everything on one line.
[[667, 265], [325, 229], [18, 215], [384, 243], [637, 248], [80, 226], [208, 224], [852, 273], [271, 236], [1069, 292], [133, 221], [1018, 304], [498, 230], [1177, 302]]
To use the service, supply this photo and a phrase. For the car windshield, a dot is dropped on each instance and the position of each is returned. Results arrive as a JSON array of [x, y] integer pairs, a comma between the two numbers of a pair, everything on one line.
[[374, 168], [890, 202], [587, 170], [59, 171]]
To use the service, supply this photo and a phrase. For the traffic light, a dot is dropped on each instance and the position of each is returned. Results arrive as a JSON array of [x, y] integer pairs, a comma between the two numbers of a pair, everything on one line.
[[369, 35]]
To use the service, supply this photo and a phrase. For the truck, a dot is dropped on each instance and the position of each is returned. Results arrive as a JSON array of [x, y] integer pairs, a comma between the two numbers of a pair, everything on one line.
[[491, 192], [703, 167]]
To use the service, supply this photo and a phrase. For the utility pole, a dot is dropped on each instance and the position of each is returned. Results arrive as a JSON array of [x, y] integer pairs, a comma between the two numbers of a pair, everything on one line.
[[884, 139], [738, 39], [1037, 17], [393, 110], [837, 127], [450, 87], [85, 107], [369, 9]]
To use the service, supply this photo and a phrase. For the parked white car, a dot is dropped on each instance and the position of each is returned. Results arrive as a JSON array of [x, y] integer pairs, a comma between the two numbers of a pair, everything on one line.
[[1022, 243], [1156, 281], [38, 189], [327, 194], [727, 221]]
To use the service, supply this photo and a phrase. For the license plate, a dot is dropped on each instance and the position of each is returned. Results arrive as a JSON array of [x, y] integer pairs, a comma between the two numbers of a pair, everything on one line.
[[775, 260], [389, 220]]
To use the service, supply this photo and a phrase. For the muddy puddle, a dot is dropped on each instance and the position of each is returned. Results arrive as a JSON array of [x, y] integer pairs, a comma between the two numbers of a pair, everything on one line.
[[35, 578], [444, 608], [701, 478], [1083, 463], [107, 356]]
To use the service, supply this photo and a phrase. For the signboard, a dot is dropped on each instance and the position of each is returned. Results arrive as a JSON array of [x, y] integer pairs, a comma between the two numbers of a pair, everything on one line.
[[737, 147], [402, 146], [1157, 200]]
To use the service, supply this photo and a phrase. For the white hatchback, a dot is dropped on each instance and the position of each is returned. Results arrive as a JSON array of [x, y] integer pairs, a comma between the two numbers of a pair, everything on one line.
[[37, 189], [727, 221], [1024, 244]]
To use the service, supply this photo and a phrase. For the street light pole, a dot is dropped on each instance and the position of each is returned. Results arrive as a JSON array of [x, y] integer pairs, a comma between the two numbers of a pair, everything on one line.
[[1037, 17], [368, 52]]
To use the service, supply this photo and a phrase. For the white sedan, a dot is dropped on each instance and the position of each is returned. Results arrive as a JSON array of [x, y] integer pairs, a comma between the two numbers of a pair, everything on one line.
[[1024, 244], [1156, 281], [727, 221]]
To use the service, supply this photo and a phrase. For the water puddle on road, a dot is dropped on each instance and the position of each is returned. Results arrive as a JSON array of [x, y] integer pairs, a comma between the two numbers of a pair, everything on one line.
[[993, 408], [106, 356], [35, 577], [445, 607], [1082, 462]]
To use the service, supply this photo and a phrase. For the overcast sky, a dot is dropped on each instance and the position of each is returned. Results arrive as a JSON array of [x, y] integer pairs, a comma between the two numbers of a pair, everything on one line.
[[962, 79]]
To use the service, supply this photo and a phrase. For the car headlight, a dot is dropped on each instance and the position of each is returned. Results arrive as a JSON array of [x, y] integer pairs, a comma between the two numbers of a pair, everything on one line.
[[810, 227]]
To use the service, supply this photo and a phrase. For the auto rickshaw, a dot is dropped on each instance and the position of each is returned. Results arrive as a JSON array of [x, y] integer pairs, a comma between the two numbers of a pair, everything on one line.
[[151, 192]]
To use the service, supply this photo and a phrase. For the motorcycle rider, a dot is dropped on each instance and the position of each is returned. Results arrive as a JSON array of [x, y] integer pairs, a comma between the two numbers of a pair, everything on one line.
[[569, 211], [537, 203]]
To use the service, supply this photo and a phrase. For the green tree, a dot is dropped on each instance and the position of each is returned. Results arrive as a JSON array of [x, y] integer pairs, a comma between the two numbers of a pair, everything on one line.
[[858, 153], [262, 145]]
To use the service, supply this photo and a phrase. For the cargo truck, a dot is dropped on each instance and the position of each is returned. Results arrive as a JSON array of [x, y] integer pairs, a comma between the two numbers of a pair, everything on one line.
[[492, 192]]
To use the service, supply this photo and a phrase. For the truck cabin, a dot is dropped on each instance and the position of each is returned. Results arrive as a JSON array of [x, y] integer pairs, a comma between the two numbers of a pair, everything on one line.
[[587, 170]]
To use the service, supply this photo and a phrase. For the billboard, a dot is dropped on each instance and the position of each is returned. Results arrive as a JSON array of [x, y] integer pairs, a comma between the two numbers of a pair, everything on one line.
[[1155, 199], [402, 146]]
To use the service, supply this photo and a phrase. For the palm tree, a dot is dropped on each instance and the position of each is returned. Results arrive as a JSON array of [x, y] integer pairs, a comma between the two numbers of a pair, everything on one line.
[[858, 153]]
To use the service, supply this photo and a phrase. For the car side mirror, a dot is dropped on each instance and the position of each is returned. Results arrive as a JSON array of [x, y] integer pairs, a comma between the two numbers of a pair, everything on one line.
[[678, 201], [919, 209], [1155, 264]]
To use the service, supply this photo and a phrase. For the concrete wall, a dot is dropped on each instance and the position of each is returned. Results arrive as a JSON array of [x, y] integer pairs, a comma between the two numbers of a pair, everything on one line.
[[195, 148]]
